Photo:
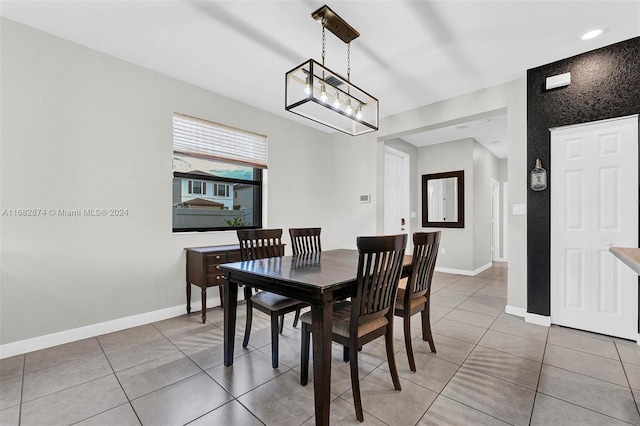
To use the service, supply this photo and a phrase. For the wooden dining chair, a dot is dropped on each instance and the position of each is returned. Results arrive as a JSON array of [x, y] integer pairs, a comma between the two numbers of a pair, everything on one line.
[[369, 314], [262, 244], [414, 293], [305, 240]]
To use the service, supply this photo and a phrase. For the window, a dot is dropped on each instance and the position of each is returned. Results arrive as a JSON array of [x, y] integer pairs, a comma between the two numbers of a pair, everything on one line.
[[217, 176], [197, 187]]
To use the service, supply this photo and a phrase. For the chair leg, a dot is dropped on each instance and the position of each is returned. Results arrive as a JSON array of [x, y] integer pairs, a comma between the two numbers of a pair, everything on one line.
[[407, 341], [345, 353], [296, 318], [388, 338], [304, 354], [247, 327], [281, 323], [275, 319], [426, 328], [355, 382]]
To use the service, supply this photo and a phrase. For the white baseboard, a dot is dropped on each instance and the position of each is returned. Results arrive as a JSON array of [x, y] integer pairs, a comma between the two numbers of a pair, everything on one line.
[[536, 319], [514, 310], [67, 336], [464, 271], [528, 317]]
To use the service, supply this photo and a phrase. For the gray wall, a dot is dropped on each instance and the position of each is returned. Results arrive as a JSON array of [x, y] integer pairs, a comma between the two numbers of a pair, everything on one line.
[[81, 129]]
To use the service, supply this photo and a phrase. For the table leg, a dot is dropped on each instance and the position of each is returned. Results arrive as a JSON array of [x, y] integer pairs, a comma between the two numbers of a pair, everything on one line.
[[188, 297], [230, 305], [322, 318]]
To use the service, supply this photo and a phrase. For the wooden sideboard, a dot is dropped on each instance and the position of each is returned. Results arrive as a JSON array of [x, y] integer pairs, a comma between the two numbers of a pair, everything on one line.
[[203, 270]]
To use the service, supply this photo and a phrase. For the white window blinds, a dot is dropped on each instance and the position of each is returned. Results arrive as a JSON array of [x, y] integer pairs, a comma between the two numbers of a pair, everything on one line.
[[200, 138]]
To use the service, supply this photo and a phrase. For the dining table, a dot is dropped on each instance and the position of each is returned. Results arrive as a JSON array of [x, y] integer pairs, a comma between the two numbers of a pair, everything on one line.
[[319, 279]]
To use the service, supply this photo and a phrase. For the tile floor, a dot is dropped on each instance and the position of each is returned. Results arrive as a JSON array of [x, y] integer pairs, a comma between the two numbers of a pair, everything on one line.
[[491, 368]]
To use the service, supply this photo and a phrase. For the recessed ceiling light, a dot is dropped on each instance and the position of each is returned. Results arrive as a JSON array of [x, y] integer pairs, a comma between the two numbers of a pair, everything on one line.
[[495, 142], [462, 126], [592, 34]]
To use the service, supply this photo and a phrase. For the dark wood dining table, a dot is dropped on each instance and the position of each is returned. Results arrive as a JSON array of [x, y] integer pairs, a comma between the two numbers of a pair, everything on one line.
[[318, 279]]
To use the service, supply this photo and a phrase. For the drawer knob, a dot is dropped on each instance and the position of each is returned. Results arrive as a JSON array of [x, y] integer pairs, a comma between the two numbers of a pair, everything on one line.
[[217, 266], [218, 257]]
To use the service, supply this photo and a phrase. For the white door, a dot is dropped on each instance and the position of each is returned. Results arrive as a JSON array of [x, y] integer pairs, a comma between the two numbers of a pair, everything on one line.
[[594, 205], [396, 191]]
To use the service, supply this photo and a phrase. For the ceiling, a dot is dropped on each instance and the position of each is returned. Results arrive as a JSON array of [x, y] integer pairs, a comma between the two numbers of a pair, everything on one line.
[[409, 53]]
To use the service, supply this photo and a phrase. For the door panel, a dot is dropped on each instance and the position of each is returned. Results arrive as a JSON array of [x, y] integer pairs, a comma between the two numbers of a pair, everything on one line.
[[594, 205]]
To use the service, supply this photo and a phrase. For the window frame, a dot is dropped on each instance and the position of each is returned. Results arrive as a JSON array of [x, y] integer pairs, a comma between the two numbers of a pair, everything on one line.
[[257, 182]]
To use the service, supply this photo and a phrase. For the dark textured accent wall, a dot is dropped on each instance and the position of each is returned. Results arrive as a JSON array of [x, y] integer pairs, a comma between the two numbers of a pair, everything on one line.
[[605, 83]]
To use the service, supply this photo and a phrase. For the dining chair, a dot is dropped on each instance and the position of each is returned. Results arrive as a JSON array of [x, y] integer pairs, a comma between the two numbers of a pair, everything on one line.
[[262, 244], [369, 313], [305, 240], [414, 293]]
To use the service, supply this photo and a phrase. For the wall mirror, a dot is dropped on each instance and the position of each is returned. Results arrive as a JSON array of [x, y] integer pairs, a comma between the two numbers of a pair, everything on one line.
[[443, 200]]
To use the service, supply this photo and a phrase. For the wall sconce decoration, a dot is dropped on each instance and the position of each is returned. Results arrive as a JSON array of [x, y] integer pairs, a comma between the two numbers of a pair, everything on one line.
[[315, 92], [538, 177]]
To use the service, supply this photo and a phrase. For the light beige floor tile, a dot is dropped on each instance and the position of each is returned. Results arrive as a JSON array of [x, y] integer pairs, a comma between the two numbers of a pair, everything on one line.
[[590, 365], [230, 414], [516, 326], [514, 345], [74, 404], [519, 371], [471, 318], [211, 354], [629, 353], [194, 336], [460, 331], [246, 373], [560, 336], [282, 401], [380, 399], [64, 376], [587, 392], [447, 348], [132, 355], [10, 416], [633, 375], [11, 367], [480, 308], [181, 402], [153, 375], [183, 322], [56, 355], [552, 411], [344, 413], [446, 411], [122, 415], [498, 398], [449, 302], [129, 336], [431, 372], [10, 392]]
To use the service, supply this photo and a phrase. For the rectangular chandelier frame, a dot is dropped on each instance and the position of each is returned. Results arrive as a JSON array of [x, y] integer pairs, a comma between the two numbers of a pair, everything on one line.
[[319, 94]]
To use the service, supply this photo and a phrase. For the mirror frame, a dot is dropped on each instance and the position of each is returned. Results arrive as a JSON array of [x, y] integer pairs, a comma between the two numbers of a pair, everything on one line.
[[425, 200]]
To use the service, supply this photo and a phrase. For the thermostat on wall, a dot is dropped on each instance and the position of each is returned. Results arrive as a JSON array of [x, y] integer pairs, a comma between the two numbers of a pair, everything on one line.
[[365, 198]]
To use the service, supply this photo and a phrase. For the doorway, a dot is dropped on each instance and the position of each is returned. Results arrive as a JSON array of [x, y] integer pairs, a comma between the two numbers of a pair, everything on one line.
[[594, 205], [495, 221], [396, 192]]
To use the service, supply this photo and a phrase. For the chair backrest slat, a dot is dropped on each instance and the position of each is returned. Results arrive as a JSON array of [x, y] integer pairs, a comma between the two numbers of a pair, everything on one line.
[[425, 253], [379, 269], [305, 240], [260, 243]]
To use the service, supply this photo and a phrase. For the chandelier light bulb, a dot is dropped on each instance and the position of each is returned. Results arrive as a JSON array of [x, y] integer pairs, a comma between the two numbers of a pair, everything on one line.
[[349, 110], [323, 94], [359, 112], [307, 88], [336, 101]]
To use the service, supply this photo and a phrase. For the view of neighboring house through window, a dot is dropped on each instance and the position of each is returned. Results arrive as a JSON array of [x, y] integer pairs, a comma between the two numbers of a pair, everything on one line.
[[217, 176]]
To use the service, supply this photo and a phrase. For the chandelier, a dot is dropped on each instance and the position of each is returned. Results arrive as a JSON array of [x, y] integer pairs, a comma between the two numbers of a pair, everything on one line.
[[324, 96]]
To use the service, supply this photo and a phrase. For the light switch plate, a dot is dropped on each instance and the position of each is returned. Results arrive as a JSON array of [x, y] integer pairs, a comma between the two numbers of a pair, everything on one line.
[[519, 209]]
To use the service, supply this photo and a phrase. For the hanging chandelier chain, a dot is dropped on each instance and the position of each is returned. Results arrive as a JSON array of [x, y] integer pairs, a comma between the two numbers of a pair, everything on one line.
[[349, 61], [323, 42]]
